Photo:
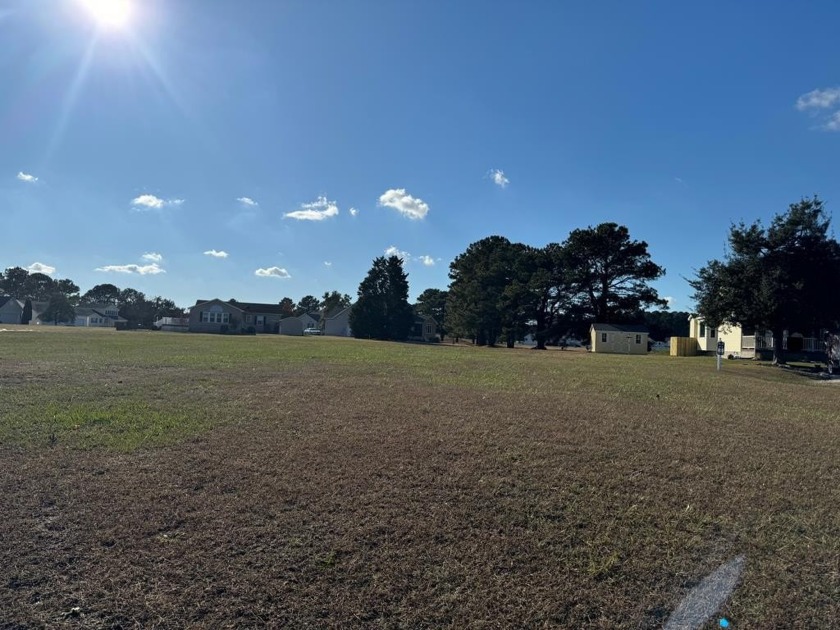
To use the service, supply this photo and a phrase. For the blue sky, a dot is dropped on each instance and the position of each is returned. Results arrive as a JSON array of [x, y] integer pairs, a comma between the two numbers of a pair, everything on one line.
[[302, 139]]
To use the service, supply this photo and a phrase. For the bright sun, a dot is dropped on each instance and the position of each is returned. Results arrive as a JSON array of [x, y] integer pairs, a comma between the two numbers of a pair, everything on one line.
[[109, 13]]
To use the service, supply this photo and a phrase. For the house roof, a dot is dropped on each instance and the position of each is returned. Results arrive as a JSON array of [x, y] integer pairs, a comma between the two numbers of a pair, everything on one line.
[[339, 313], [625, 328], [249, 307]]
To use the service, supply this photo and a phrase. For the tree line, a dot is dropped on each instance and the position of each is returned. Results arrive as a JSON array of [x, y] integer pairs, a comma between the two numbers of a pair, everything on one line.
[[504, 290], [501, 290], [64, 296]]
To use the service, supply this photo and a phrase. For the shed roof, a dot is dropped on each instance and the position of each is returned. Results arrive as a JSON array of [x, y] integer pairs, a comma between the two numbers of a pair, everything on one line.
[[625, 328]]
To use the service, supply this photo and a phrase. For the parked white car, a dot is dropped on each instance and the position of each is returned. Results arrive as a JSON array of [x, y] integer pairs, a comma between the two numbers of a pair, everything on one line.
[[312, 331]]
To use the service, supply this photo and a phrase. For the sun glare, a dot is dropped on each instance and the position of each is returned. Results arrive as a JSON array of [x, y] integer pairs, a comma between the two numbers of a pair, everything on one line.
[[112, 14]]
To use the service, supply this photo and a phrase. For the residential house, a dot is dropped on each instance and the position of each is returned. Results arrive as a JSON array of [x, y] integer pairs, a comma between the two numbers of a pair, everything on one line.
[[423, 329], [338, 325], [11, 310], [216, 316], [737, 343], [98, 316], [298, 323], [619, 338]]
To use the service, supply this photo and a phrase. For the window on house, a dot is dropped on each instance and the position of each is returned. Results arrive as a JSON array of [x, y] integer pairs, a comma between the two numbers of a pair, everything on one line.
[[712, 333], [214, 318], [702, 329], [428, 329], [603, 337], [638, 339]]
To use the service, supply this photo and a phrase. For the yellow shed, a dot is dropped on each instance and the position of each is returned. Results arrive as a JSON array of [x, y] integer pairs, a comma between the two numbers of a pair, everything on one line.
[[619, 338]]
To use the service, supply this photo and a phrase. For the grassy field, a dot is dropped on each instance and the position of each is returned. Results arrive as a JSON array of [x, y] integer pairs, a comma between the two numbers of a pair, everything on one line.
[[165, 480]]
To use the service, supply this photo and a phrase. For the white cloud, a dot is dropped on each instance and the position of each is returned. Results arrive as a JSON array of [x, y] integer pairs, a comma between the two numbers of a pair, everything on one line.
[[26, 177], [215, 254], [404, 203], [353, 212], [247, 201], [152, 257], [819, 99], [499, 178], [37, 267], [833, 123], [327, 263], [151, 202], [148, 201], [668, 299], [143, 270], [318, 210], [427, 260], [394, 251], [272, 272]]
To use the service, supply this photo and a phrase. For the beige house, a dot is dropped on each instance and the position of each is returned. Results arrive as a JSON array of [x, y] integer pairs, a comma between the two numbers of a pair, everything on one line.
[[619, 338], [736, 344], [424, 329], [216, 316]]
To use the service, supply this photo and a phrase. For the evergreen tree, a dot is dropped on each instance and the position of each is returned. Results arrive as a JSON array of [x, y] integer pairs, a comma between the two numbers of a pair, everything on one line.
[[59, 310], [479, 276], [382, 310], [786, 276], [26, 315], [611, 274]]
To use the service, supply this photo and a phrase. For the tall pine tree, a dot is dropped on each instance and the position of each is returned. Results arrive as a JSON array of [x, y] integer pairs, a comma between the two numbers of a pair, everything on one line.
[[382, 310]]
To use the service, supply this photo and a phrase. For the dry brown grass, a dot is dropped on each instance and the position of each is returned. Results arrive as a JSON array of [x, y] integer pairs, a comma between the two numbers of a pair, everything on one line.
[[330, 483]]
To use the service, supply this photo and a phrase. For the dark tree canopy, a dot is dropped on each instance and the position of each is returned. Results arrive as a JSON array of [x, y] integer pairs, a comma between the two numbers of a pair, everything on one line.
[[479, 278], [611, 273], [333, 301], [26, 315], [59, 310], [14, 280], [287, 306], [102, 294], [664, 324], [432, 303], [783, 277], [382, 310], [308, 304]]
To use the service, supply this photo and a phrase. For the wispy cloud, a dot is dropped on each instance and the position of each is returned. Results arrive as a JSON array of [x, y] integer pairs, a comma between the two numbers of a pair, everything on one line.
[[393, 250], [819, 103], [272, 272], [498, 177], [318, 210], [353, 212], [247, 201], [26, 177], [327, 263], [405, 204], [152, 257], [216, 254], [427, 260], [669, 299], [679, 180], [819, 99], [38, 267], [151, 202], [143, 270]]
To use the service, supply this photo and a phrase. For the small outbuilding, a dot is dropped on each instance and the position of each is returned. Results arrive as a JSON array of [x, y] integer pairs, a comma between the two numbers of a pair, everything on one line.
[[619, 338]]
